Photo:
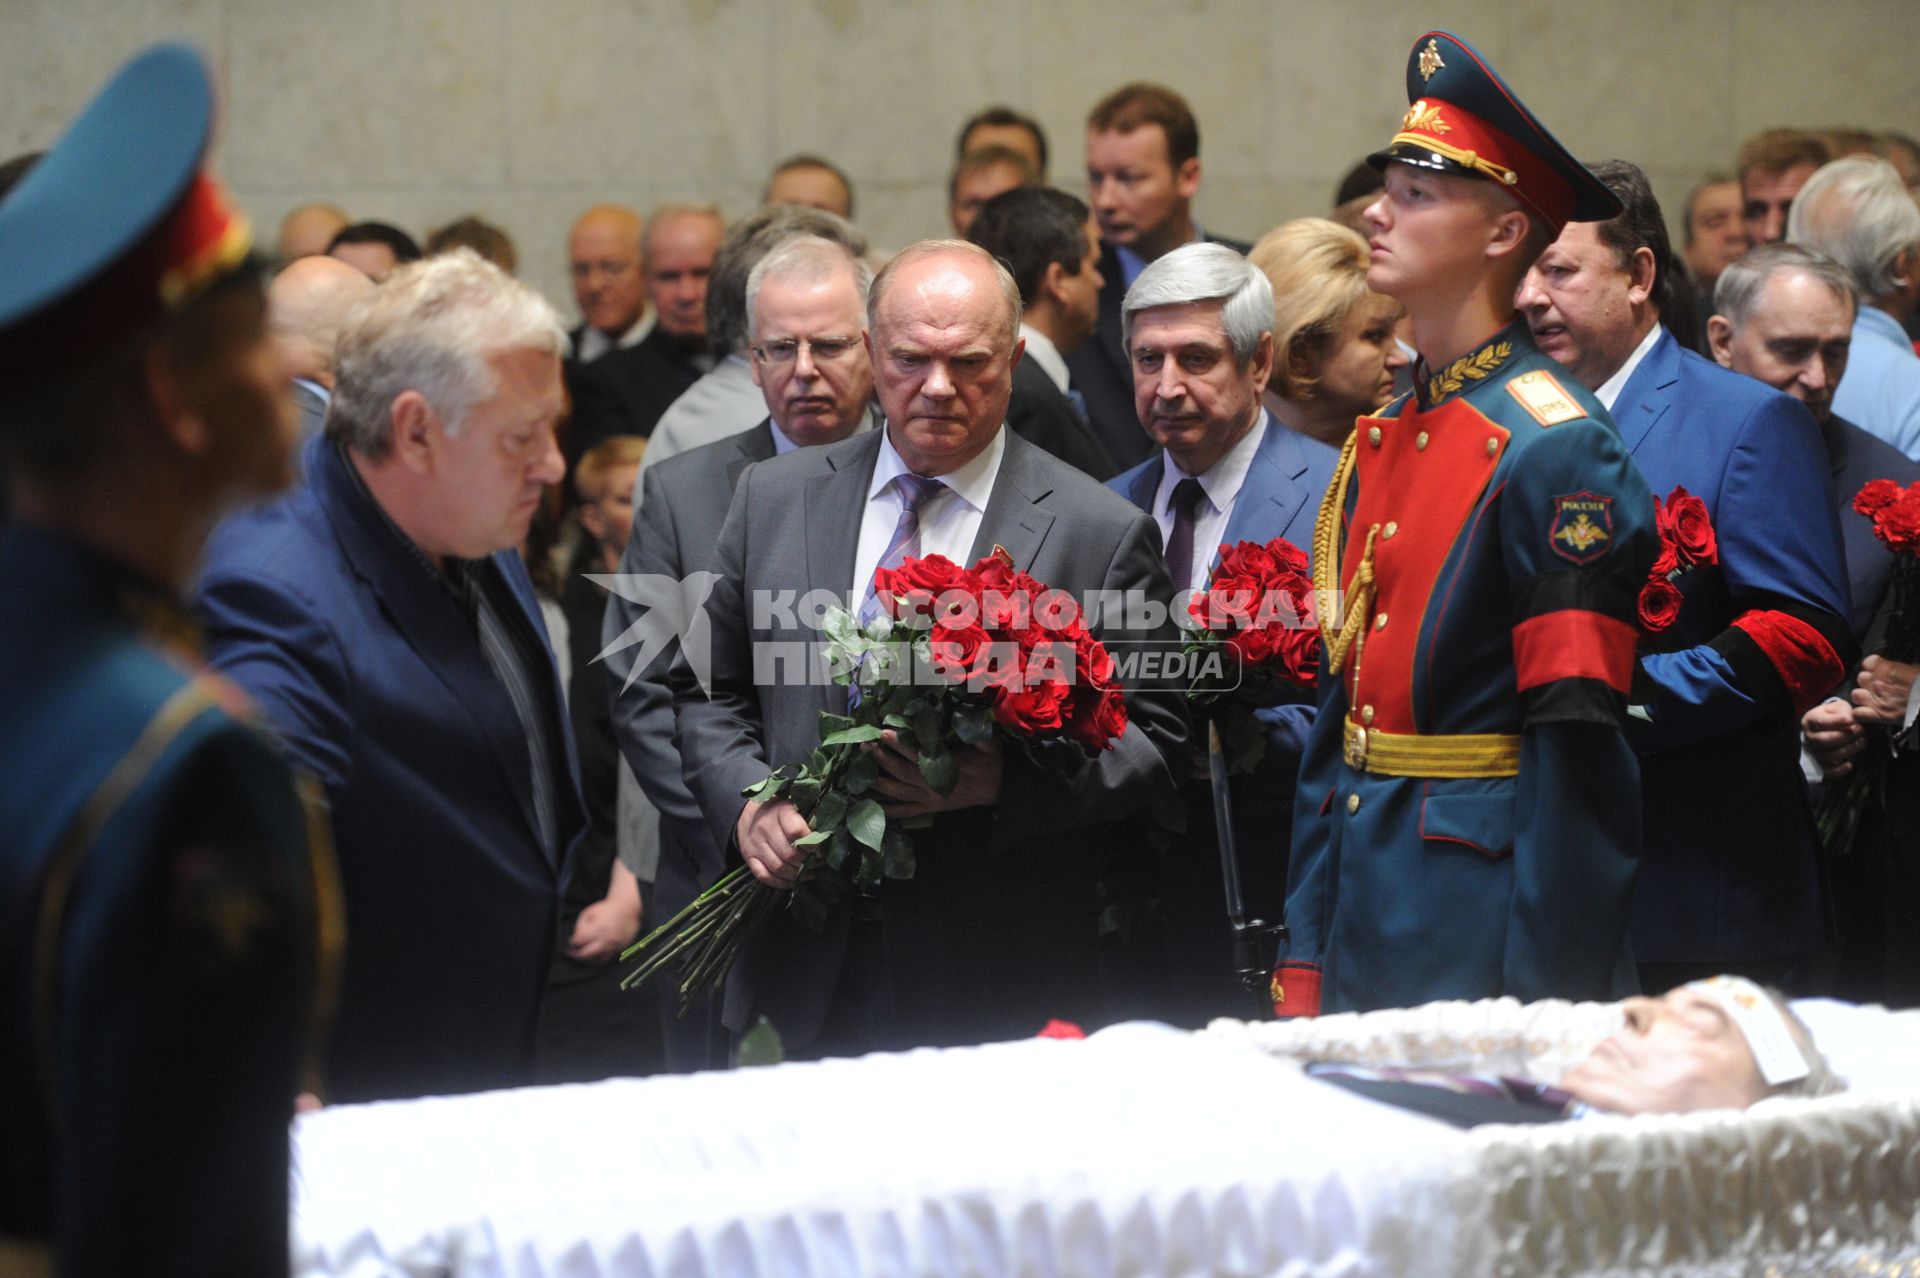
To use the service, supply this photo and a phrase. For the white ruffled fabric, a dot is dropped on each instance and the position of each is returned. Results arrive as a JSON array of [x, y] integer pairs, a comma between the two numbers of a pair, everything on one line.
[[1139, 1151]]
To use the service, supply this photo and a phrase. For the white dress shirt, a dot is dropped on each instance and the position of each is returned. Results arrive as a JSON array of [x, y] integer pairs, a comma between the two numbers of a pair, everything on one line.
[[1042, 351], [1222, 483], [594, 343], [1611, 388], [949, 521]]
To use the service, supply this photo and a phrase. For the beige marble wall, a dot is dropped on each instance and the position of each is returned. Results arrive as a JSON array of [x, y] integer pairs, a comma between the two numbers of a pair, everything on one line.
[[525, 111]]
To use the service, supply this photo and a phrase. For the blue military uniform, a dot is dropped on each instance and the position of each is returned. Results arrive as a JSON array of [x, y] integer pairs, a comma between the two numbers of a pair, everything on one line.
[[158, 973], [1468, 814], [164, 883]]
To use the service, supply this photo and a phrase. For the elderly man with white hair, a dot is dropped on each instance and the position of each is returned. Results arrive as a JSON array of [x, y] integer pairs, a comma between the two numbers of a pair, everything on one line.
[[383, 622], [1858, 212]]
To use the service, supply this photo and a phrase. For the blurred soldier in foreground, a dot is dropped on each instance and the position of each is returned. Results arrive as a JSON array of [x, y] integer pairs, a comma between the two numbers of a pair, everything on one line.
[[159, 898]]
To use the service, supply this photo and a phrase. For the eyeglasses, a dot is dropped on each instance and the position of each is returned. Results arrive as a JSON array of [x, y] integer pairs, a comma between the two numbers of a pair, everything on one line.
[[825, 350]]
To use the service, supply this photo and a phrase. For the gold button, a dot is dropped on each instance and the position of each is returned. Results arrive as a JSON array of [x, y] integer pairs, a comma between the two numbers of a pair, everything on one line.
[[1366, 714], [1353, 804], [1390, 529], [1380, 622], [1493, 446], [1373, 436], [1420, 441]]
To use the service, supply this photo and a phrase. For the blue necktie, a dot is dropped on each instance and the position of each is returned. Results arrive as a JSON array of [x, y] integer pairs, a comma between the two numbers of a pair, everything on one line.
[[1079, 401]]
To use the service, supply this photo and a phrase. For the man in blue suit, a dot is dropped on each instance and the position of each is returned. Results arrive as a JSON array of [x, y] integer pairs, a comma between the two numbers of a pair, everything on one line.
[[1199, 332], [385, 624], [1729, 879]]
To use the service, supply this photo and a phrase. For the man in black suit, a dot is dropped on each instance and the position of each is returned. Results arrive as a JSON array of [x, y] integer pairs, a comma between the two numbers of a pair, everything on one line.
[[996, 930], [1045, 237], [806, 307], [1143, 170], [603, 256], [624, 393]]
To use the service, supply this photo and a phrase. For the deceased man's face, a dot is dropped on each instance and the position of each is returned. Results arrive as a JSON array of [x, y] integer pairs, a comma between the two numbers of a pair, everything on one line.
[[1676, 1054]]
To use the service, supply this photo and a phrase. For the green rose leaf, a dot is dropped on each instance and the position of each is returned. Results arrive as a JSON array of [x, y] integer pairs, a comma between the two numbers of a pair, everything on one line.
[[861, 774], [761, 1045], [897, 855], [839, 849], [867, 822], [940, 769], [853, 736], [829, 812], [832, 723], [813, 839], [973, 724]]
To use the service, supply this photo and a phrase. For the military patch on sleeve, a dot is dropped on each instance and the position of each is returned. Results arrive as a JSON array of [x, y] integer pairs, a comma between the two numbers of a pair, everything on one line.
[[1543, 397], [1582, 528]]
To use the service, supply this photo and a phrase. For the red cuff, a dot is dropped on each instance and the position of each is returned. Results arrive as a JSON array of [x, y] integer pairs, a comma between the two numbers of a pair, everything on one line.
[[1806, 663], [1295, 989], [1573, 643]]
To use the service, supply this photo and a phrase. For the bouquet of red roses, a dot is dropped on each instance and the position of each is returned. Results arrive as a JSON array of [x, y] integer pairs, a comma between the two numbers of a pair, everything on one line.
[[1895, 512], [1258, 609], [960, 654], [1687, 542]]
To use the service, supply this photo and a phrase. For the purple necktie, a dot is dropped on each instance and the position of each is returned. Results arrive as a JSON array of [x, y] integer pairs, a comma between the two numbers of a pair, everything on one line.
[[1187, 496], [915, 492]]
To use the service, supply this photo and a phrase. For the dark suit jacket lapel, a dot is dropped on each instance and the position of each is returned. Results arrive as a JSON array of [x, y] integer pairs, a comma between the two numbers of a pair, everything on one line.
[[1107, 326], [1648, 394], [429, 619], [1014, 519], [836, 503], [752, 446]]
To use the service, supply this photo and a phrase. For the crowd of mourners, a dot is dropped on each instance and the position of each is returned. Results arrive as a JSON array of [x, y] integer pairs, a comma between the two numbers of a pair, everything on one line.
[[348, 722]]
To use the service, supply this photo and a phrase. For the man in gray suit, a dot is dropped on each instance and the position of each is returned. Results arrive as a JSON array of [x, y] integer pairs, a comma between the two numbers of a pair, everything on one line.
[[806, 303], [996, 930], [306, 304]]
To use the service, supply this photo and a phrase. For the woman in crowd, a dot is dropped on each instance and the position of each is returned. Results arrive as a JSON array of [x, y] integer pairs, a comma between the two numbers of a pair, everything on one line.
[[1335, 356]]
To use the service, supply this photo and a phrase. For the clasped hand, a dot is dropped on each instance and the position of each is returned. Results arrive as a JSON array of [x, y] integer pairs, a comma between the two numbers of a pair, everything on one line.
[[767, 833]]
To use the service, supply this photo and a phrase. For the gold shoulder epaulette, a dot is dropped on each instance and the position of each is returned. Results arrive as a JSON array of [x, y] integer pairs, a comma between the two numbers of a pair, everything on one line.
[[1543, 397]]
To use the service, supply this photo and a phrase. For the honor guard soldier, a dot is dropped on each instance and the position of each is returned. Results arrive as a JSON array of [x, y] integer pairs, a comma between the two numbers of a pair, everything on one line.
[[1468, 821], [160, 898]]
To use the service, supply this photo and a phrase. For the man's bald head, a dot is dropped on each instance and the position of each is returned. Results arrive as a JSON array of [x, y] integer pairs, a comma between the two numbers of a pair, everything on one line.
[[307, 304], [308, 229], [603, 257]]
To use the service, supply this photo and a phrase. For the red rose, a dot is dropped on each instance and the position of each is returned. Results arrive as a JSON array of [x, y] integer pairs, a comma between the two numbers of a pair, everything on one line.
[[1693, 534], [1297, 657], [1032, 708], [1660, 602], [1097, 719], [1899, 524], [1061, 1029], [1229, 603], [1665, 563], [956, 652], [1253, 646], [1876, 494]]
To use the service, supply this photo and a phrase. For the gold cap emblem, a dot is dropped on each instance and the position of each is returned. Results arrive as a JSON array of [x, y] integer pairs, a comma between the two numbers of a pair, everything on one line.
[[1430, 60]]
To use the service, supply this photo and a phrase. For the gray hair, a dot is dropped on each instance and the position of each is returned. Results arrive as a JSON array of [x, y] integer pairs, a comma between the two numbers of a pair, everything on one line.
[[1740, 285], [750, 239], [1206, 273], [1821, 1079], [1009, 291], [1858, 212], [805, 259], [430, 328]]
